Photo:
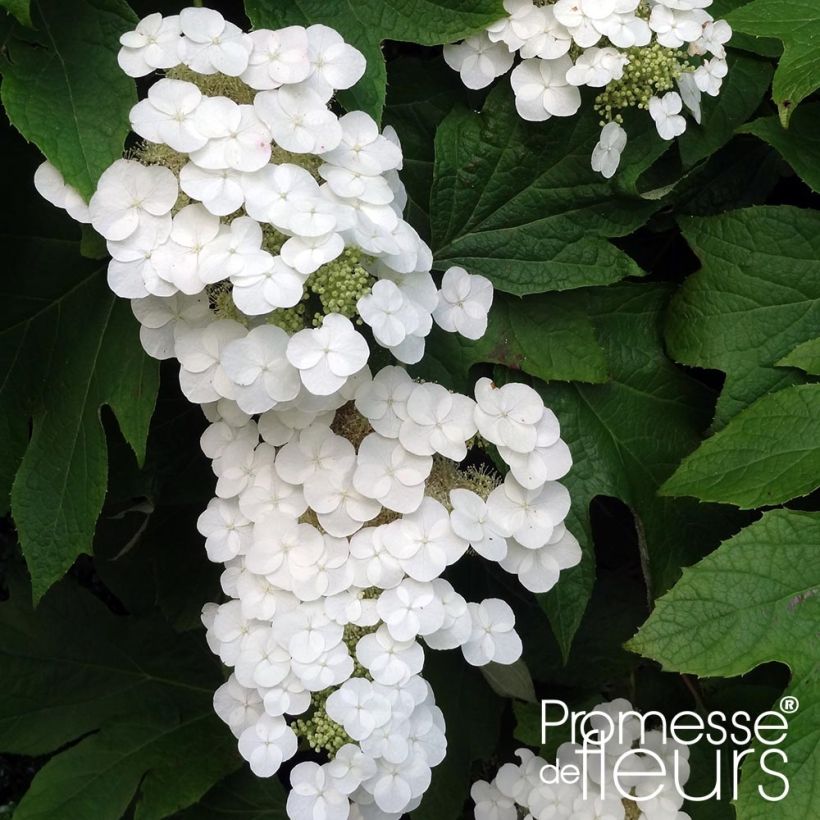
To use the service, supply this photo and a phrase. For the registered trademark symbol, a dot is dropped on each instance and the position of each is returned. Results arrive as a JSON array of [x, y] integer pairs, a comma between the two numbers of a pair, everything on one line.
[[789, 704]]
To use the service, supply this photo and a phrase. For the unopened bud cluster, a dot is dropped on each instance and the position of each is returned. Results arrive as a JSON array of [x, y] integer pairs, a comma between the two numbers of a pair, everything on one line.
[[261, 241], [637, 51]]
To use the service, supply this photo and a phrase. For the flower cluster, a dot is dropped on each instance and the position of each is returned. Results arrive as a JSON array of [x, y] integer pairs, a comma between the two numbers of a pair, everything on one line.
[[654, 55], [647, 788], [261, 242]]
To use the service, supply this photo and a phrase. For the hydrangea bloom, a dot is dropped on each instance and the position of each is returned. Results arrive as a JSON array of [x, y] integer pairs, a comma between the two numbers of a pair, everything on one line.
[[645, 54], [261, 241]]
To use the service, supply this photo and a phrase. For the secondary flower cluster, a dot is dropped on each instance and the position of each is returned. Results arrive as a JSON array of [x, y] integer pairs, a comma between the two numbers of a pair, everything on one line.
[[594, 786], [655, 55], [261, 242]]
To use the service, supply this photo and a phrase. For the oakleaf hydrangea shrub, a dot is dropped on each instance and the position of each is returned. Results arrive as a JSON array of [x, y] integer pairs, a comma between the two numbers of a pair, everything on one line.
[[260, 239], [613, 729], [655, 55]]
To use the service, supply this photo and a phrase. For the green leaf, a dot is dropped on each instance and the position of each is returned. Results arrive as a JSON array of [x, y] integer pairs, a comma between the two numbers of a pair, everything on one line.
[[420, 94], [138, 694], [765, 46], [519, 202], [797, 24], [472, 713], [19, 9], [747, 307], [242, 795], [742, 92], [511, 680], [805, 356], [63, 90], [67, 347], [767, 454], [367, 23], [754, 600], [548, 336], [626, 436], [799, 144]]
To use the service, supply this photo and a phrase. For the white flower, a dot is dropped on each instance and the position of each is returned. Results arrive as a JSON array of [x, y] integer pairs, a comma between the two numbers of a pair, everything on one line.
[[336, 64], [674, 28], [690, 94], [491, 804], [522, 22], [314, 795], [686, 5], [316, 452], [375, 565], [363, 150], [278, 57], [341, 508], [358, 708], [542, 91], [219, 191], [308, 254], [167, 115], [227, 532], [625, 30], [716, 33], [328, 355], [470, 520], [387, 472], [211, 44], [665, 111], [349, 768], [493, 637], [52, 187], [388, 660], [127, 193], [179, 261], [266, 744], [580, 17], [133, 271], [281, 542], [388, 313], [257, 364], [270, 494], [159, 317], [507, 416], [236, 248], [239, 706], [547, 39], [597, 67], [153, 44], [478, 60], [198, 349], [464, 302], [383, 400], [273, 192], [606, 156], [424, 542], [457, 625], [529, 516], [299, 120], [538, 569], [709, 76], [410, 609], [549, 460], [259, 289], [237, 137], [438, 421]]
